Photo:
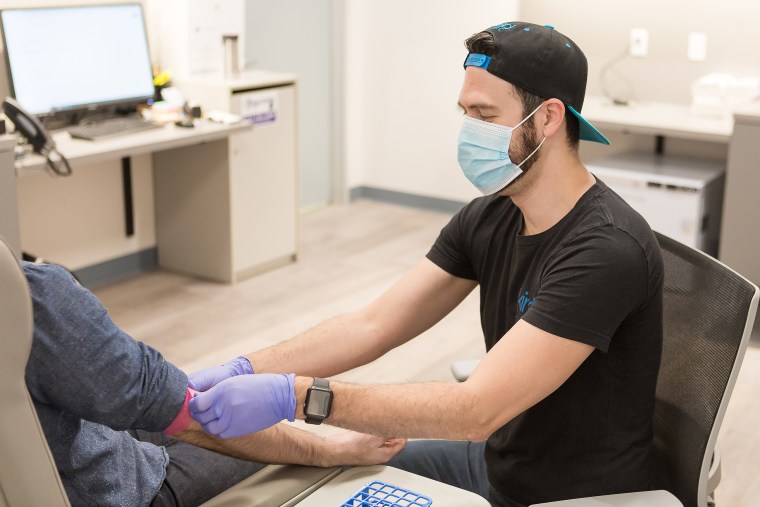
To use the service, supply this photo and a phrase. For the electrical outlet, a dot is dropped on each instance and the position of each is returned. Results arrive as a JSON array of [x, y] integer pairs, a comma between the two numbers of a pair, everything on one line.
[[697, 47], [639, 45]]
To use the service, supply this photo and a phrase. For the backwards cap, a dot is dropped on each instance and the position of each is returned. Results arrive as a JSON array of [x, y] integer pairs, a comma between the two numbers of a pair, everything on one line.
[[542, 61]]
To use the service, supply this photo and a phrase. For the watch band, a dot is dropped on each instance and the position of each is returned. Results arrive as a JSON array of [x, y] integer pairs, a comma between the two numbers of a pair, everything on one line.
[[322, 383]]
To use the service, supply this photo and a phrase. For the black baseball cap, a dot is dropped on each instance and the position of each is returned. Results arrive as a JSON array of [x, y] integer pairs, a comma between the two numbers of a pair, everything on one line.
[[542, 61]]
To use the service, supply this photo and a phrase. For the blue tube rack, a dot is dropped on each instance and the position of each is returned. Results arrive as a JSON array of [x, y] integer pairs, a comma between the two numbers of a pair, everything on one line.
[[382, 494]]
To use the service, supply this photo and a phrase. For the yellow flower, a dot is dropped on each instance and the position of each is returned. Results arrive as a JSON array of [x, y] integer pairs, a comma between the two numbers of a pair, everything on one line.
[[162, 78]]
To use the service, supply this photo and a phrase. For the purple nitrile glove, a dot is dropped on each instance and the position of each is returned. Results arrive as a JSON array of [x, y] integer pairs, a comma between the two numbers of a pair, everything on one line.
[[203, 380], [245, 404]]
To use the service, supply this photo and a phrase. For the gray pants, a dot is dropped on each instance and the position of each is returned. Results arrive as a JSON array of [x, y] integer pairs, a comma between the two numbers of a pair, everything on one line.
[[460, 464], [194, 475]]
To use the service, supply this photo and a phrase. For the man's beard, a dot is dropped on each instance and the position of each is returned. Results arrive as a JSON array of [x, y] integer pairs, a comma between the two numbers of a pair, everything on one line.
[[523, 144]]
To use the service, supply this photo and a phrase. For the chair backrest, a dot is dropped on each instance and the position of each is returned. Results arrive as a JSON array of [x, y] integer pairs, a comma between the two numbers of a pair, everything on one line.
[[28, 475], [709, 310]]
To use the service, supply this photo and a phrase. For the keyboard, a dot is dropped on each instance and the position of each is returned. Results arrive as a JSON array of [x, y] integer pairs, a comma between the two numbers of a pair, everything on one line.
[[110, 127]]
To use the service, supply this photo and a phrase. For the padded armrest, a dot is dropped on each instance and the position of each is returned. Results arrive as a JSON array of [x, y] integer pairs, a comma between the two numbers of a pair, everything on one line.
[[463, 369], [713, 477], [657, 498], [274, 486]]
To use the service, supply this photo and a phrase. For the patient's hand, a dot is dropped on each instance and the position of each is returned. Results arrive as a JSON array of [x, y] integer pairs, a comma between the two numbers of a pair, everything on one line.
[[205, 379], [352, 448]]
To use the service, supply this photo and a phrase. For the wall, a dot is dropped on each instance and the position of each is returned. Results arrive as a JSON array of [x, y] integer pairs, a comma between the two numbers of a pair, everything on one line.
[[403, 68], [602, 29], [295, 36]]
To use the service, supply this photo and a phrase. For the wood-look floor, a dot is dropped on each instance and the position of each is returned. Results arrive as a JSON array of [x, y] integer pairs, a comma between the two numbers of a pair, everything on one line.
[[349, 255]]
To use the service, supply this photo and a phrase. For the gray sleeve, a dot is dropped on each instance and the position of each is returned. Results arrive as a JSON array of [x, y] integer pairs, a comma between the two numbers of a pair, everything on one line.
[[82, 363]]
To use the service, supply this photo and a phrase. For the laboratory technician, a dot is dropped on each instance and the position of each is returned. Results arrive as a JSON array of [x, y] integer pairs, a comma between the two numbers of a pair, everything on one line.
[[570, 282]]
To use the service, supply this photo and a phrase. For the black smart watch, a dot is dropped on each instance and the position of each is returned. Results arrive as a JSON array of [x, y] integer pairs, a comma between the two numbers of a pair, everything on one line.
[[318, 401]]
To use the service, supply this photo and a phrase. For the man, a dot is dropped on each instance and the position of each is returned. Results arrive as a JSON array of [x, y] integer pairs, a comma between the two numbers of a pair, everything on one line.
[[100, 394], [571, 307]]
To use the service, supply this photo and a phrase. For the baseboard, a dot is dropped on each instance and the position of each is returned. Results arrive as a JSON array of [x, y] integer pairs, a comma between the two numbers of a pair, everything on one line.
[[405, 199], [116, 269]]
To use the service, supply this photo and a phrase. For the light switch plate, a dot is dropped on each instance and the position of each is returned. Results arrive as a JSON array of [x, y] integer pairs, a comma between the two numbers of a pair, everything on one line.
[[697, 47]]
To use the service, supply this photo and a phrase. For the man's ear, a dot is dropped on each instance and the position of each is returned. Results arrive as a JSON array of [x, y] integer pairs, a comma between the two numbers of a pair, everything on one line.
[[554, 116]]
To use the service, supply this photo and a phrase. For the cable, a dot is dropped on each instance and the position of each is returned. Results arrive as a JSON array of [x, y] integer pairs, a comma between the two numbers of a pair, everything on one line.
[[607, 67], [56, 162]]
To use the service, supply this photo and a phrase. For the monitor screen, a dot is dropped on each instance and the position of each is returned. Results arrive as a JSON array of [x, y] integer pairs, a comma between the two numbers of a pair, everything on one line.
[[77, 57]]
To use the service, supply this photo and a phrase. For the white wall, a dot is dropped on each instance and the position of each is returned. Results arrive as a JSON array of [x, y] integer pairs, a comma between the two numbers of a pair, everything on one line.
[[294, 36], [403, 67], [602, 29]]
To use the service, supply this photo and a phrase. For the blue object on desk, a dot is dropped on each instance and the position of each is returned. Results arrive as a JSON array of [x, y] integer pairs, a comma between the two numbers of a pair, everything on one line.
[[378, 493]]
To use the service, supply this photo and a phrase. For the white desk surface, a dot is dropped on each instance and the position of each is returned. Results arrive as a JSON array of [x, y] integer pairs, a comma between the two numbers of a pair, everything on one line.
[[79, 151], [347, 483], [659, 118], [255, 78]]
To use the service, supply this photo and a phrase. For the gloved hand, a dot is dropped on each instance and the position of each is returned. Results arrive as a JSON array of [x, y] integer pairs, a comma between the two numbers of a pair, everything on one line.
[[245, 404], [203, 380]]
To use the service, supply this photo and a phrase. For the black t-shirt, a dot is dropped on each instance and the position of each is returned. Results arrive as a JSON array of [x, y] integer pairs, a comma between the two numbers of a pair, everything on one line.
[[594, 277]]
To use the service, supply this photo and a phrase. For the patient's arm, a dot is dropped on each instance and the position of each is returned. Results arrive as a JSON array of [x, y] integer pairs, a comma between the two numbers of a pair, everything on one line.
[[285, 444], [83, 364]]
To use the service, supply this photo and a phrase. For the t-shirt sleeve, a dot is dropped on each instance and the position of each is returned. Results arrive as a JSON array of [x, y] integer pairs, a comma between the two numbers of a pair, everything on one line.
[[81, 362], [590, 286], [449, 252]]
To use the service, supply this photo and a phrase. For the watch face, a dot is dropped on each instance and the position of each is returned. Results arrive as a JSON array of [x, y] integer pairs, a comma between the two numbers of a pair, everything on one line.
[[318, 404]]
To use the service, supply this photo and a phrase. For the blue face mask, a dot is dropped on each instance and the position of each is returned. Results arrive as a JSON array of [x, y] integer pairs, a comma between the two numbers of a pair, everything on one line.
[[484, 154]]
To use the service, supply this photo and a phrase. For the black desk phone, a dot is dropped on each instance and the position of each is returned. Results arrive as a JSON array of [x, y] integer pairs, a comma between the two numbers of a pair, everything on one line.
[[31, 129]]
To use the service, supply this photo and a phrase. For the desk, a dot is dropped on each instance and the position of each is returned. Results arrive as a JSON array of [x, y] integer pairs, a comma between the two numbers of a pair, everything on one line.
[[79, 151], [193, 173], [657, 118], [739, 244]]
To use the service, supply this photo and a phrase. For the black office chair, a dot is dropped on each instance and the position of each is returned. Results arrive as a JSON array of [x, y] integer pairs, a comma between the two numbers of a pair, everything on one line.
[[709, 310]]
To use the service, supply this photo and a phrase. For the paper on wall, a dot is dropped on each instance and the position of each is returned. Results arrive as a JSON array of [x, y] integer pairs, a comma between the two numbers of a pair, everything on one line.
[[209, 20]]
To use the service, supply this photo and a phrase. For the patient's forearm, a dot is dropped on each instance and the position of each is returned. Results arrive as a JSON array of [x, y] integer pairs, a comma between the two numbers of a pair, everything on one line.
[[285, 444], [278, 444]]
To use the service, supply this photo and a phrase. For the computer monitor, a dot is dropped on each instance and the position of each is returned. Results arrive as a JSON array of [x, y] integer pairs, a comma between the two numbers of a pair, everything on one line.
[[77, 58]]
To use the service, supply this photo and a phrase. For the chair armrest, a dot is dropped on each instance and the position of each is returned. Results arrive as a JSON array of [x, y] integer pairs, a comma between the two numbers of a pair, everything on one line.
[[274, 486], [659, 498], [713, 476], [463, 369]]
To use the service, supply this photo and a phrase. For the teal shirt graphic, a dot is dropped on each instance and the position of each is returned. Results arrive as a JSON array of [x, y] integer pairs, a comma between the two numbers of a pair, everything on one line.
[[524, 302]]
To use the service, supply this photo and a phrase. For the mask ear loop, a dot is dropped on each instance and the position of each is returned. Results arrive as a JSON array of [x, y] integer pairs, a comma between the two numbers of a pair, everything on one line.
[[531, 114], [539, 144], [532, 152]]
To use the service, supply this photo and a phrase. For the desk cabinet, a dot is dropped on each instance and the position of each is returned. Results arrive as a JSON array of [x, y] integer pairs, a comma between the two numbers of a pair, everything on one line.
[[739, 240], [261, 186], [680, 197]]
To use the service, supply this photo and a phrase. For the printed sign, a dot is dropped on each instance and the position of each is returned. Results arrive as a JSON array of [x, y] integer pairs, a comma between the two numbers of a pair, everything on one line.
[[260, 108]]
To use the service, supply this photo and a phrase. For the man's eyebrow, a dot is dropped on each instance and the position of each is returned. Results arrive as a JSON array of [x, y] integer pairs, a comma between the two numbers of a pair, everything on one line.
[[480, 106]]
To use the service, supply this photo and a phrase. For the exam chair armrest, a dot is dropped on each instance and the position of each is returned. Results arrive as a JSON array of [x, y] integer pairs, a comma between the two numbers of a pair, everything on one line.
[[275, 486], [463, 369], [659, 498]]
